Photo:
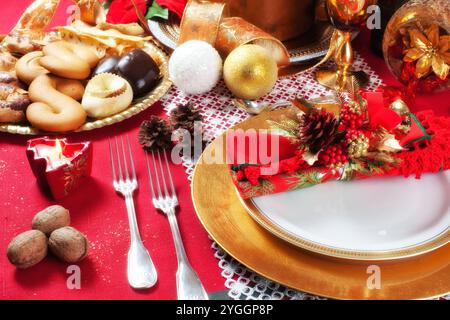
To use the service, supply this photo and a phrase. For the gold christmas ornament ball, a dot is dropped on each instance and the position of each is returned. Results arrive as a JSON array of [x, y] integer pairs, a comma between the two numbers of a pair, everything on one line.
[[250, 72]]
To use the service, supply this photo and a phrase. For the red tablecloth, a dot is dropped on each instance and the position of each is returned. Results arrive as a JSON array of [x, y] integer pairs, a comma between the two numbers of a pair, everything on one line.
[[98, 212]]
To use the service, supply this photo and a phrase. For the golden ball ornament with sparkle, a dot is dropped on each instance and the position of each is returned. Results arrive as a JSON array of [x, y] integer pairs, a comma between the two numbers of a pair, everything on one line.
[[250, 72]]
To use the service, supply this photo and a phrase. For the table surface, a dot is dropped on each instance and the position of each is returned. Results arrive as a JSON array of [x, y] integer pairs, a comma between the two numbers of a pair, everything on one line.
[[99, 213]]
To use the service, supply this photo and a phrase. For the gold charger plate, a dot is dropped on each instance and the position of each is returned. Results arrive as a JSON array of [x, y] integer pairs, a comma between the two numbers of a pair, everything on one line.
[[312, 45], [138, 105], [225, 218]]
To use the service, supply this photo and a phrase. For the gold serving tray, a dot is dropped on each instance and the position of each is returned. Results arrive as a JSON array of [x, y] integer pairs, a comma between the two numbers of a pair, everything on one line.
[[137, 106], [226, 219]]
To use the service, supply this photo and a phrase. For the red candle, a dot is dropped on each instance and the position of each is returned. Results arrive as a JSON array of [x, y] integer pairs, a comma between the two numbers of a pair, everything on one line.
[[59, 166]]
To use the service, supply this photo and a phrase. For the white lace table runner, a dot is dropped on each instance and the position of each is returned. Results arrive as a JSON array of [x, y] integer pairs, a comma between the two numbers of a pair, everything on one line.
[[219, 114]]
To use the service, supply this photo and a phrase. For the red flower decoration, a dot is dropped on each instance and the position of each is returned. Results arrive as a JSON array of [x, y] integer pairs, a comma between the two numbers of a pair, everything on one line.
[[292, 164], [252, 174]]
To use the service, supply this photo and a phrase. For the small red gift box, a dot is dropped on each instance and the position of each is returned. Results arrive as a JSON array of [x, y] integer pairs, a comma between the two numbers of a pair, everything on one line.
[[58, 165]]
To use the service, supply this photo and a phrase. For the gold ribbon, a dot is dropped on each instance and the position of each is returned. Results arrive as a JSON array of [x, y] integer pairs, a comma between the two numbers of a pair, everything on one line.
[[335, 50], [200, 21], [28, 34], [208, 21]]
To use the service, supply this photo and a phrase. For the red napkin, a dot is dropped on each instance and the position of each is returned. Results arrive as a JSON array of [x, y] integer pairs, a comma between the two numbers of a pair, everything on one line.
[[426, 150]]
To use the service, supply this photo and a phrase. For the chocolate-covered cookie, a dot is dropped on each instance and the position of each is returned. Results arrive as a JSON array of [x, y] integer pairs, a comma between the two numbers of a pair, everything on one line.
[[140, 70], [107, 64]]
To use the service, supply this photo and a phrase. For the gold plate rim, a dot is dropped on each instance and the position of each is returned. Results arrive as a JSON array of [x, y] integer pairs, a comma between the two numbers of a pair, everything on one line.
[[225, 217], [138, 105]]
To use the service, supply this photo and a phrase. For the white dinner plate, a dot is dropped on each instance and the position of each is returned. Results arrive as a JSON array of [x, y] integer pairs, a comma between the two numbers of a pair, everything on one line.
[[372, 219]]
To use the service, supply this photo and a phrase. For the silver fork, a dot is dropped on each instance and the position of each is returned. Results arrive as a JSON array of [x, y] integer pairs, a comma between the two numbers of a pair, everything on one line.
[[141, 271], [189, 286]]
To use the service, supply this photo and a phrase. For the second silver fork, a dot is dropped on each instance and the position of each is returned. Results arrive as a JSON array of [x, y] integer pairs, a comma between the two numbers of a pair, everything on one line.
[[189, 286], [141, 271]]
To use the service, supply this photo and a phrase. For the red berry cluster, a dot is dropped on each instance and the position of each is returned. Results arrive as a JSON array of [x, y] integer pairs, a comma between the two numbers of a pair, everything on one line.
[[335, 155], [351, 119], [352, 134]]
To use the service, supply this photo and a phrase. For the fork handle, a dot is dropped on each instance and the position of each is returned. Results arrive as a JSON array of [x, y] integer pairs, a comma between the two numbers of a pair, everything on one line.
[[134, 230], [189, 286], [141, 271]]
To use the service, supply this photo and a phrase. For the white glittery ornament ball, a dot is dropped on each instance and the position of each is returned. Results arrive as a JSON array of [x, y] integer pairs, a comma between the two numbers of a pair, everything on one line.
[[195, 67]]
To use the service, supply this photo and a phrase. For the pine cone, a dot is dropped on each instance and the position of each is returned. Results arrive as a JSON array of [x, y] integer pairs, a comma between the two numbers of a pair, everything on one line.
[[184, 116], [155, 133], [317, 129]]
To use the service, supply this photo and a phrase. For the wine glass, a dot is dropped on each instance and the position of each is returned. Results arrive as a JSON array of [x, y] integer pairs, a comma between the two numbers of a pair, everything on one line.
[[346, 16]]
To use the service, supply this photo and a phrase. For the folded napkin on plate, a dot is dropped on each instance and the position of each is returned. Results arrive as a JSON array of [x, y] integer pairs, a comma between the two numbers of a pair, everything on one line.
[[375, 135]]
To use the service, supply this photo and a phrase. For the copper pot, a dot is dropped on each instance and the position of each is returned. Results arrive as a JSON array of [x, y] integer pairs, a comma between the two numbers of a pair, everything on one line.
[[284, 19]]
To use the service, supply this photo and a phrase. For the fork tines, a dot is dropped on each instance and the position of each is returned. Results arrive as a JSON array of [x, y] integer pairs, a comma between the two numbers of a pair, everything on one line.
[[160, 175], [122, 165]]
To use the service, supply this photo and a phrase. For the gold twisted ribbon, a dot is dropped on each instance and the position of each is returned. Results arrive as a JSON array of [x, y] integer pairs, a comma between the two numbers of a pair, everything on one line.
[[209, 21], [28, 34]]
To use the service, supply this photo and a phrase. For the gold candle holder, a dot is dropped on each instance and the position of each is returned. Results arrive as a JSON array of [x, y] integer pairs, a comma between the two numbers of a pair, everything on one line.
[[346, 16]]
